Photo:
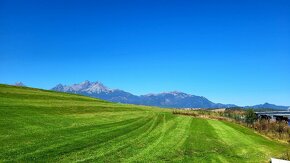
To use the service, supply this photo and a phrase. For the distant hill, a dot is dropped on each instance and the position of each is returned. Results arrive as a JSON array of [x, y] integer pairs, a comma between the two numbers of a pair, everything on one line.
[[268, 106], [167, 99], [180, 100]]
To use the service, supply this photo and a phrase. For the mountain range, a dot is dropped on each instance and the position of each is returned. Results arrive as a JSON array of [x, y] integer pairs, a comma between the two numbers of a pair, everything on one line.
[[20, 84], [173, 99]]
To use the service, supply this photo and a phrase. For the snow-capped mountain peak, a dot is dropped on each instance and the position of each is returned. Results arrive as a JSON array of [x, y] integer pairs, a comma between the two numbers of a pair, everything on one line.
[[97, 87], [86, 86], [19, 84]]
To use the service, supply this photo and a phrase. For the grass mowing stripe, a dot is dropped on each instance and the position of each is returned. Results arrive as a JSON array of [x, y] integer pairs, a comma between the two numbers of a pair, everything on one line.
[[78, 143], [80, 129], [167, 125], [245, 143], [203, 143], [172, 141], [103, 153], [69, 136], [134, 146]]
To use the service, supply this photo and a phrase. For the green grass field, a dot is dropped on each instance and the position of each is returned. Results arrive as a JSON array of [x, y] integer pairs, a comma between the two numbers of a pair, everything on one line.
[[38, 125]]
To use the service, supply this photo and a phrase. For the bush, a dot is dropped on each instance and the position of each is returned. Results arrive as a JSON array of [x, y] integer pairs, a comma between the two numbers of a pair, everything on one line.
[[250, 117]]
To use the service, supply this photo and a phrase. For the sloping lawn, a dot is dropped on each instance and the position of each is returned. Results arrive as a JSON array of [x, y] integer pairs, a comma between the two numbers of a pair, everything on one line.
[[38, 125]]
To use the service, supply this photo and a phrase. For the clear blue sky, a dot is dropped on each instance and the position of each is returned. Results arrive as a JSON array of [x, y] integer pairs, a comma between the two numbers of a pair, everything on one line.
[[228, 51]]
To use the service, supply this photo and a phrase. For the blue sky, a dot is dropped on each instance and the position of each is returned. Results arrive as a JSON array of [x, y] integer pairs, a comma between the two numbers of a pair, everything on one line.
[[228, 51]]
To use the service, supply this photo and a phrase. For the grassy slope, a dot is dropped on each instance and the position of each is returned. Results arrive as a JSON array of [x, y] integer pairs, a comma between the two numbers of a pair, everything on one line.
[[40, 125]]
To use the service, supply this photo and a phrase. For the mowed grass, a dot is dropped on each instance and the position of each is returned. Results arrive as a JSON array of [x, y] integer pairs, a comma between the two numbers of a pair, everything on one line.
[[38, 125]]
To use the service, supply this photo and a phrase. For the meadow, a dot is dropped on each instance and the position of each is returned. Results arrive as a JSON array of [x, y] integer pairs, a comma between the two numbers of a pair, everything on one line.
[[38, 125]]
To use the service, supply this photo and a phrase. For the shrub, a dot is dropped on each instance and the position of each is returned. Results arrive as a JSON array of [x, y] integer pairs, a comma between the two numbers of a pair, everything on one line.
[[250, 117]]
